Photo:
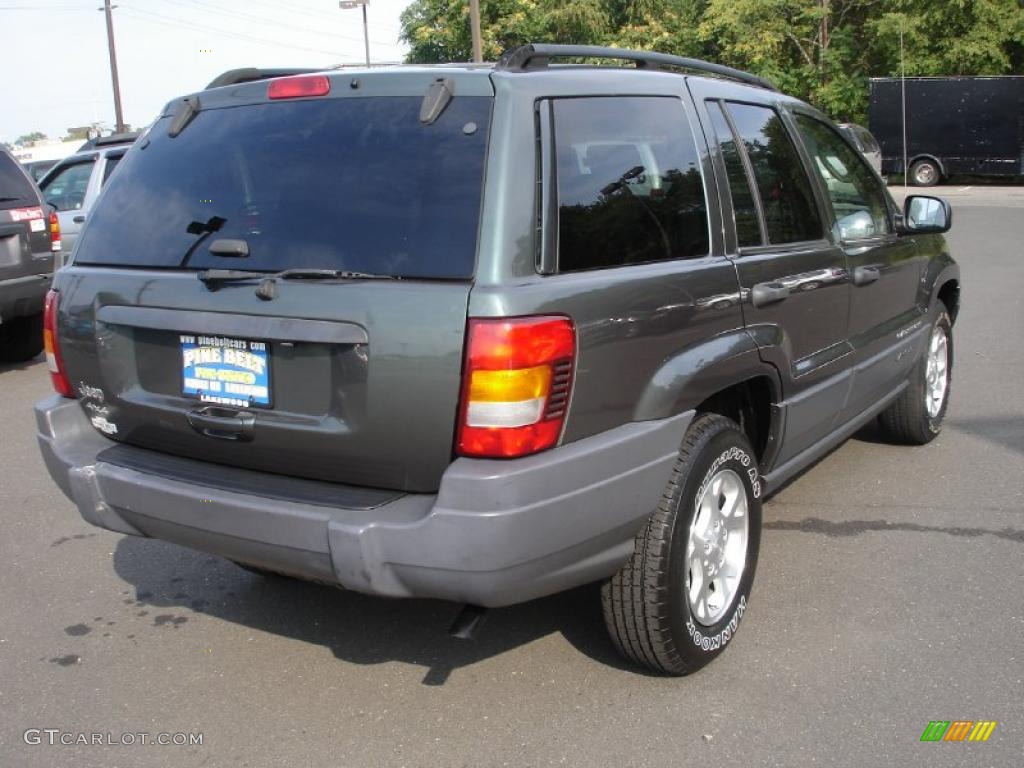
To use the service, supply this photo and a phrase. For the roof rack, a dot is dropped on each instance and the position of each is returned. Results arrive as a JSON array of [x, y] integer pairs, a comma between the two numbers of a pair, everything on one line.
[[104, 141], [538, 56], [251, 74]]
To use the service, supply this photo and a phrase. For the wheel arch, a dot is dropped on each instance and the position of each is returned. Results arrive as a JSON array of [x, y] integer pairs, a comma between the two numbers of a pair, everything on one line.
[[723, 375], [933, 158]]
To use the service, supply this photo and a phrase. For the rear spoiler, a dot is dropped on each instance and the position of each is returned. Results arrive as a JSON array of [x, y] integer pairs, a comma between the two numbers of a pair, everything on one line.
[[251, 74]]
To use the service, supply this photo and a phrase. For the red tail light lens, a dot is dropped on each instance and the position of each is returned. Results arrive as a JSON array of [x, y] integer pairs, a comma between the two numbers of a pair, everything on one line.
[[516, 387], [51, 345], [298, 87], [54, 231]]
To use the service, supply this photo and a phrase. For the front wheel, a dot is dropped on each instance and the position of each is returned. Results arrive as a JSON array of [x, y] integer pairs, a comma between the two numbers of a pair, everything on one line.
[[915, 418], [680, 598]]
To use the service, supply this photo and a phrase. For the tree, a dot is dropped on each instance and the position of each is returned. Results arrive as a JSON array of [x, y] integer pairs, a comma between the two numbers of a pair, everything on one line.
[[821, 50], [28, 138]]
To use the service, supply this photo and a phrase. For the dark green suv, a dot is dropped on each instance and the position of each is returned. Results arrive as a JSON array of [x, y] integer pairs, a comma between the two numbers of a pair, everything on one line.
[[484, 333], [29, 246]]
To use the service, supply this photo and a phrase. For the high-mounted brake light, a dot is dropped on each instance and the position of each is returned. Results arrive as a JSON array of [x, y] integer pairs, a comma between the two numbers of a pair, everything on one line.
[[516, 387], [298, 87], [54, 231], [50, 344]]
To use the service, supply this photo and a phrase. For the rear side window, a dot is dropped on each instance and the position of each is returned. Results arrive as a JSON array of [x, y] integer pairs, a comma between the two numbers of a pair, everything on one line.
[[65, 188], [790, 212], [15, 189], [748, 229], [341, 183], [630, 189], [111, 164]]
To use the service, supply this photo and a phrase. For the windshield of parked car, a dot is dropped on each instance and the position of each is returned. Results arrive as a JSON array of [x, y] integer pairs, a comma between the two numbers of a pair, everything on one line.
[[357, 184]]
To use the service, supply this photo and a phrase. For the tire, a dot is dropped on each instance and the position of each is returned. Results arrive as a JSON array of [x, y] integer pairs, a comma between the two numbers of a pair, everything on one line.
[[925, 173], [647, 606], [916, 416], [21, 339]]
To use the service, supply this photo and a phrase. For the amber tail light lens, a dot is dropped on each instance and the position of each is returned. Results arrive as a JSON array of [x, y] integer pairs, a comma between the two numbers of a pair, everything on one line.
[[516, 385]]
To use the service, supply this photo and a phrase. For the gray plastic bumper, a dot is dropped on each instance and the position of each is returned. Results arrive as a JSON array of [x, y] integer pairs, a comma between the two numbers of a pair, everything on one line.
[[496, 533], [21, 296]]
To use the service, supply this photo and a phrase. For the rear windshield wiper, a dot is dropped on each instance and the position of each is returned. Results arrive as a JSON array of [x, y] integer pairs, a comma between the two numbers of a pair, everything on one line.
[[267, 289]]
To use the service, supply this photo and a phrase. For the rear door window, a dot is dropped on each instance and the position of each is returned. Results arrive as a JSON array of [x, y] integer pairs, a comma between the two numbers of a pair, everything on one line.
[[630, 189], [15, 189], [748, 228], [339, 183], [790, 212], [66, 187]]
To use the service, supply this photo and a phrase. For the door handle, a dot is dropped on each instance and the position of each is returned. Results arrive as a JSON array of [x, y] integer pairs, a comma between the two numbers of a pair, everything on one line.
[[79, 219], [865, 275], [764, 294], [222, 423]]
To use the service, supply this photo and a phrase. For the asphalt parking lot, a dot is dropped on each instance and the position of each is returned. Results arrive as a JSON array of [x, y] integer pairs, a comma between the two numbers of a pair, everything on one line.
[[888, 595]]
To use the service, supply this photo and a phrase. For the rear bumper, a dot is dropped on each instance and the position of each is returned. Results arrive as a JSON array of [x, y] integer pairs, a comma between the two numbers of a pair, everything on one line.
[[23, 296], [496, 533]]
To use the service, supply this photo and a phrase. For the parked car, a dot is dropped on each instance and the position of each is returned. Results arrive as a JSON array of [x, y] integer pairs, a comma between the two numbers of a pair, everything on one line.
[[863, 140], [29, 234], [488, 333], [73, 185], [967, 125], [38, 168]]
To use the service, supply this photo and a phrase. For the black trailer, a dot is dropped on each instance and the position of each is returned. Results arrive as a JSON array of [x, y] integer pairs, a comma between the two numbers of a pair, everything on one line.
[[970, 125]]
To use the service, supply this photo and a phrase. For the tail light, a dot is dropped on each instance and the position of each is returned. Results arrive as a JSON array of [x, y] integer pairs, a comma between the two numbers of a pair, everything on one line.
[[516, 387], [50, 344], [54, 231], [298, 87]]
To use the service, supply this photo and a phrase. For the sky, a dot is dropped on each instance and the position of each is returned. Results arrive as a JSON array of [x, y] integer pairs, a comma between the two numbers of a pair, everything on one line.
[[58, 72]]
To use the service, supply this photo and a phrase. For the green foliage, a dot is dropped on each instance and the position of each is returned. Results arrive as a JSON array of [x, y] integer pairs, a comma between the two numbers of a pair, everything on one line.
[[28, 138], [821, 50]]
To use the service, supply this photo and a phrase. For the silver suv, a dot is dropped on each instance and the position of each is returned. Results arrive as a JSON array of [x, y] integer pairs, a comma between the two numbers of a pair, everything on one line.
[[73, 185]]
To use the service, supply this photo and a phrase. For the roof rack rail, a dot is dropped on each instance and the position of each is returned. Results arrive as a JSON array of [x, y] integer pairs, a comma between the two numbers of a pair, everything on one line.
[[251, 74], [111, 139], [538, 56]]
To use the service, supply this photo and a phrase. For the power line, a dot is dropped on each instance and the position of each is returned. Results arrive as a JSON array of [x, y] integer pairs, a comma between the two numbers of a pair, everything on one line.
[[207, 8], [155, 18]]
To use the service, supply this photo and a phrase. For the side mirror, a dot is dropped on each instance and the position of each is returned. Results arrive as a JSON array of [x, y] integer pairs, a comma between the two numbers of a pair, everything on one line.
[[924, 215]]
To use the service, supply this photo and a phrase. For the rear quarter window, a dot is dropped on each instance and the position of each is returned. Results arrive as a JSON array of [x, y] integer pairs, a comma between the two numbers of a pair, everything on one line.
[[339, 183], [15, 188], [630, 189]]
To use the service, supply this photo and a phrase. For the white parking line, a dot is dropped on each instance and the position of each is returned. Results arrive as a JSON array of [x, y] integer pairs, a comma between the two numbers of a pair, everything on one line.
[[964, 189]]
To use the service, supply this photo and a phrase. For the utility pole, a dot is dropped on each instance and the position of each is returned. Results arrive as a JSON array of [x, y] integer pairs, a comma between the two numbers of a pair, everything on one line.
[[474, 24], [118, 115], [349, 4]]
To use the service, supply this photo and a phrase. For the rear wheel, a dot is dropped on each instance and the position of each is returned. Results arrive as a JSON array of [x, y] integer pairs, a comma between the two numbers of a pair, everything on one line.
[[925, 173], [678, 601], [21, 339], [916, 417]]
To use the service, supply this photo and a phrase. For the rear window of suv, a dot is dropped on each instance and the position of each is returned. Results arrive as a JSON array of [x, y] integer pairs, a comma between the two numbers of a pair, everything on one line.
[[15, 189], [344, 183]]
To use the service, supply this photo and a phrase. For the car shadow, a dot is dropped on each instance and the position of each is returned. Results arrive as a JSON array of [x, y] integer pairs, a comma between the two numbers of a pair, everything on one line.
[[37, 360], [171, 584]]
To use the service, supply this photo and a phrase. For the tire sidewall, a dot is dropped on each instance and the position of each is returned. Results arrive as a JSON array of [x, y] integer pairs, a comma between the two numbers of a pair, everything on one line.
[[728, 448], [934, 424]]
